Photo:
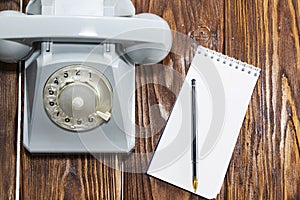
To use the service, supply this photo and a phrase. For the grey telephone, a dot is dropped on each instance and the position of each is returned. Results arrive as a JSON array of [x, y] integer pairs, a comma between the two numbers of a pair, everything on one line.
[[79, 59]]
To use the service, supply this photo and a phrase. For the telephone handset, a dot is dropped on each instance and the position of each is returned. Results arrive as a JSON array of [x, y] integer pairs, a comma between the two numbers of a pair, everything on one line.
[[79, 70]]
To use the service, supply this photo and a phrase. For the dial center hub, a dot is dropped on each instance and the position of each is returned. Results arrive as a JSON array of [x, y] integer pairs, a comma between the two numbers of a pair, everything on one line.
[[77, 103], [79, 100]]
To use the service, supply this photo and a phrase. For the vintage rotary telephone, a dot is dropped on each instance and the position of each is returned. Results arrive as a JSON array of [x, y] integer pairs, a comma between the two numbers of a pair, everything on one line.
[[79, 59]]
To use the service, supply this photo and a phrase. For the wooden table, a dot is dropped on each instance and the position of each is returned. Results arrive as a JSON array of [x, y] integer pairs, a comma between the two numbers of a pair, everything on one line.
[[266, 160]]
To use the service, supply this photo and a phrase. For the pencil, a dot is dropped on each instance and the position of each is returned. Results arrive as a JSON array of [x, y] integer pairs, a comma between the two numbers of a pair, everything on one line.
[[194, 136]]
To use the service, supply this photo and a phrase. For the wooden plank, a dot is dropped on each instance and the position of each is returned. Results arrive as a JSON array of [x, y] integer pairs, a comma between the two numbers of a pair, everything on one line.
[[8, 122], [8, 129], [266, 161], [158, 86], [70, 177]]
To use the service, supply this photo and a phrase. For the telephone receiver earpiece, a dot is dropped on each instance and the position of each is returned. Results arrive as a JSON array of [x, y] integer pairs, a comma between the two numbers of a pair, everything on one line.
[[146, 38], [151, 53], [12, 51]]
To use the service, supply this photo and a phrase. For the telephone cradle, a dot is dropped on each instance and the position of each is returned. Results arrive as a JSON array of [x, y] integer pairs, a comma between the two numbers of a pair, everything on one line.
[[79, 77]]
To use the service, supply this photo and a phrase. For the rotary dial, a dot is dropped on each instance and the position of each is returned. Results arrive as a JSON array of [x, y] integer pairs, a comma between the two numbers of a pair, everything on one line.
[[78, 98]]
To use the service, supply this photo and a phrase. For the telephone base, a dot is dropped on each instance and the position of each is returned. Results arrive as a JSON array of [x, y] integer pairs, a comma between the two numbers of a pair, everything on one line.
[[117, 135]]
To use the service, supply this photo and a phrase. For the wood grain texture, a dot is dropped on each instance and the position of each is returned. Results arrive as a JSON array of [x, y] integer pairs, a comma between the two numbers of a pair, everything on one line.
[[8, 129], [266, 162], [266, 159], [70, 177], [8, 121]]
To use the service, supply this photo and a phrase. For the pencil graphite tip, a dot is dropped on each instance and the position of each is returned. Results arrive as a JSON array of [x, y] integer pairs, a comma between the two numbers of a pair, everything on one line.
[[195, 183]]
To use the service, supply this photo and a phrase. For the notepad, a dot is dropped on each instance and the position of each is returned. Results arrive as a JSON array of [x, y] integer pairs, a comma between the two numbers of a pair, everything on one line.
[[224, 89]]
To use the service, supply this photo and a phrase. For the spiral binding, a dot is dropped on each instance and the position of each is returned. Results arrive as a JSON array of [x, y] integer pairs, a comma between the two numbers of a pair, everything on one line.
[[229, 61]]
